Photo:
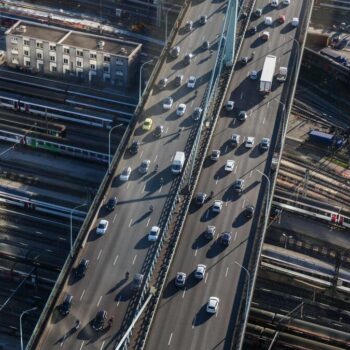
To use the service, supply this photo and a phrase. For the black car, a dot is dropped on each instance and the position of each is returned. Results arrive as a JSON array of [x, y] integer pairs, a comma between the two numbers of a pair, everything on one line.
[[203, 20], [257, 13], [66, 305], [111, 204], [253, 30], [178, 79], [249, 211], [244, 60], [99, 321], [135, 147], [200, 198], [158, 131], [225, 239], [82, 267], [137, 282], [205, 45]]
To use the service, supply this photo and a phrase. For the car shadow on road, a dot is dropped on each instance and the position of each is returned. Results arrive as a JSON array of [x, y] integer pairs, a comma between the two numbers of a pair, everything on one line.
[[202, 316], [241, 149], [240, 220], [56, 316], [170, 289], [287, 28], [215, 249], [93, 236], [117, 285], [191, 281], [200, 241], [255, 153], [125, 294], [208, 215], [143, 243]]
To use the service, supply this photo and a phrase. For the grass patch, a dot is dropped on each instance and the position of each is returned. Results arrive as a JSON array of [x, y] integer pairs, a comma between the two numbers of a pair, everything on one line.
[[339, 162]]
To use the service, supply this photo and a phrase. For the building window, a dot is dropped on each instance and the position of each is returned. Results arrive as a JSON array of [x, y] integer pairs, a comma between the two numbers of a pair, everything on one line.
[[26, 42], [52, 47], [14, 40], [27, 63], [26, 52], [93, 55], [119, 62], [80, 53], [52, 58], [53, 69], [106, 58], [119, 73], [15, 60], [39, 45], [66, 50], [93, 66], [106, 68], [39, 55], [79, 63], [65, 61]]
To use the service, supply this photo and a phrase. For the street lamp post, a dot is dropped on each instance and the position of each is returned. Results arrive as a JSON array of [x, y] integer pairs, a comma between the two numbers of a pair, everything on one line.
[[20, 324], [71, 227], [140, 85], [248, 288], [109, 146], [268, 195]]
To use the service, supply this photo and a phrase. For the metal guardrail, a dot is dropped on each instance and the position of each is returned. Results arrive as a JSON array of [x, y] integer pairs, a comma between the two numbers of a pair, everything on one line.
[[239, 343]]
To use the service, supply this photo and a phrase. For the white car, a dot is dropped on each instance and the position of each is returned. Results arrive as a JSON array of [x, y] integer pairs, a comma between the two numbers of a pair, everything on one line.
[[217, 206], [200, 271], [168, 103], [234, 139], [125, 174], [229, 106], [286, 2], [213, 305], [153, 234], [230, 164], [181, 109], [295, 21], [102, 227], [191, 82], [268, 21], [215, 154], [253, 75], [249, 142]]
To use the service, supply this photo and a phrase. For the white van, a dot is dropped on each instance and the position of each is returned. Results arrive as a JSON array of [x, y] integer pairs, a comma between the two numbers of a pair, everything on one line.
[[295, 21], [178, 162], [268, 21], [274, 3]]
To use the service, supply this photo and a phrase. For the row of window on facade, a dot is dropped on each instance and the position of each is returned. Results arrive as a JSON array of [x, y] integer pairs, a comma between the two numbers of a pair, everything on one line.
[[66, 50]]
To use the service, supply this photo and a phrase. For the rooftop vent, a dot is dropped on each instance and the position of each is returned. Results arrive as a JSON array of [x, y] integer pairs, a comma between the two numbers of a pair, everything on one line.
[[22, 28], [101, 44], [123, 51]]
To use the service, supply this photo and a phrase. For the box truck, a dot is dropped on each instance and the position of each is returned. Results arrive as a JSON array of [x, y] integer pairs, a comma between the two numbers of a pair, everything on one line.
[[267, 74]]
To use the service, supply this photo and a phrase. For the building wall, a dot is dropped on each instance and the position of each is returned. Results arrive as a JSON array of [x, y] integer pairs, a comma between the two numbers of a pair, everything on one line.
[[120, 73]]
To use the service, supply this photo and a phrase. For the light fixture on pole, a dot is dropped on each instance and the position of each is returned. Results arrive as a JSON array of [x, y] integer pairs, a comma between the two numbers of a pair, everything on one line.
[[20, 323], [71, 227]]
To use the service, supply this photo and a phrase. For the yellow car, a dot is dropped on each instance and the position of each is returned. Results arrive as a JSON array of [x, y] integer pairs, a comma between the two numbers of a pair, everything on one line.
[[147, 124]]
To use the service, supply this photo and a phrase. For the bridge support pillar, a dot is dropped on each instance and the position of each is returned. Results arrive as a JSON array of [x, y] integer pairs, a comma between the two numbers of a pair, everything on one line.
[[231, 24]]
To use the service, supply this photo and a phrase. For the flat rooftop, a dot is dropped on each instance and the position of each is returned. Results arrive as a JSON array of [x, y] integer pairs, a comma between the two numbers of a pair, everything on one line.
[[73, 38]]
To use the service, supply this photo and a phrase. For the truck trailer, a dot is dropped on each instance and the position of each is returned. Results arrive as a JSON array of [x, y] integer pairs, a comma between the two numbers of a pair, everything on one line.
[[325, 139], [267, 74]]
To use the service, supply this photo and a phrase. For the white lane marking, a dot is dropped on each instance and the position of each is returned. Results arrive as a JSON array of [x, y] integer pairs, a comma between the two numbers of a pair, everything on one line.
[[99, 300], [235, 236], [216, 315], [235, 169], [160, 188], [149, 219], [226, 149], [243, 203], [226, 272], [141, 154], [193, 322], [183, 293], [241, 95], [144, 188], [217, 179], [25, 244], [102, 345], [130, 222], [82, 344], [127, 186], [191, 103], [206, 277], [268, 104], [38, 232], [120, 298], [155, 158], [251, 173], [133, 262], [99, 254], [115, 216], [171, 335], [233, 121], [263, 121], [195, 252], [226, 203], [82, 294], [115, 260]]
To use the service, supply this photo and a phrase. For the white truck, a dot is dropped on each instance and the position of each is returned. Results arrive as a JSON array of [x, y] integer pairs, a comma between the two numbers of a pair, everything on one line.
[[282, 74], [178, 162], [267, 74]]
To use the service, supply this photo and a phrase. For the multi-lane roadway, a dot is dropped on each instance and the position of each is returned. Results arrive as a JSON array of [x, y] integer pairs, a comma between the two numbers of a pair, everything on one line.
[[124, 246], [181, 320]]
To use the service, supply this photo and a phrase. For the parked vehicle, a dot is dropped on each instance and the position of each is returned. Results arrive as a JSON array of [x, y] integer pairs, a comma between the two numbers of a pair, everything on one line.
[[267, 74], [282, 74], [326, 139]]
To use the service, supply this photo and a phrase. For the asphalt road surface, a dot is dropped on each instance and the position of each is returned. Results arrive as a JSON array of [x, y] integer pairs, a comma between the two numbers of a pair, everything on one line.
[[124, 246], [181, 321]]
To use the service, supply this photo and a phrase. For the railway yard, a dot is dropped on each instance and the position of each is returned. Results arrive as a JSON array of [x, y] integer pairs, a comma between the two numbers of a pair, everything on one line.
[[301, 294], [54, 154]]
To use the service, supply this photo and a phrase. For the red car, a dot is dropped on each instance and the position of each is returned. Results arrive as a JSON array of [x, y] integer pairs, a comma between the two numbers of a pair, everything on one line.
[[281, 19]]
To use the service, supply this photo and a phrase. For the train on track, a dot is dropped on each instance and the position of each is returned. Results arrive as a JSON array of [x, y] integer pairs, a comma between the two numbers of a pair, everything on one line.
[[323, 212], [59, 112], [44, 143]]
